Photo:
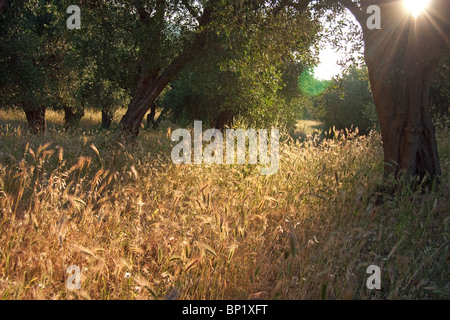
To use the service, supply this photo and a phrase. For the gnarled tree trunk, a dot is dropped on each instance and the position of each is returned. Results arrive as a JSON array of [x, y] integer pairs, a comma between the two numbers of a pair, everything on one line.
[[147, 91], [150, 85], [402, 58], [152, 81], [36, 120]]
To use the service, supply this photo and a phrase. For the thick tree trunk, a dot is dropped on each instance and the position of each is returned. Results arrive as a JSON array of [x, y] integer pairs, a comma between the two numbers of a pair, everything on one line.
[[36, 120], [402, 58], [145, 95], [151, 82], [71, 118], [409, 139], [150, 85]]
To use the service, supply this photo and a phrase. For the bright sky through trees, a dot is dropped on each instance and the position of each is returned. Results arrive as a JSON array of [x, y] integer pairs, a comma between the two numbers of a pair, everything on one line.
[[330, 56], [328, 66]]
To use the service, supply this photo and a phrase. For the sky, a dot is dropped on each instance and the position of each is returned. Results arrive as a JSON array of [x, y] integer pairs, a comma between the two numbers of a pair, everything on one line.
[[328, 66]]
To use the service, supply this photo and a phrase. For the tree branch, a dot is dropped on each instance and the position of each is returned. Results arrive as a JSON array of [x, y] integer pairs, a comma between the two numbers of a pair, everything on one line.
[[144, 16], [206, 16], [190, 9], [123, 28], [355, 10], [299, 6]]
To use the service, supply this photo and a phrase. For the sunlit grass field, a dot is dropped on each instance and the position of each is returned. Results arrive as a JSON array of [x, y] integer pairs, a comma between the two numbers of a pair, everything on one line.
[[140, 227], [307, 127]]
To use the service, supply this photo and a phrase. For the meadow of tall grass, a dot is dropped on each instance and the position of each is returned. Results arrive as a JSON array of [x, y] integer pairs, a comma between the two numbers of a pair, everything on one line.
[[140, 227]]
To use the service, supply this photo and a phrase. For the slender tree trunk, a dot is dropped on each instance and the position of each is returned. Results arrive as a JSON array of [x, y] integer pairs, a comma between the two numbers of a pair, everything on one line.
[[107, 117], [402, 58], [36, 120], [151, 121], [162, 115]]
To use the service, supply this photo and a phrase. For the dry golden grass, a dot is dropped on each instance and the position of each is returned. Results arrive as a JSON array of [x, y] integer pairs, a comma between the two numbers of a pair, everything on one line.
[[140, 227], [308, 127]]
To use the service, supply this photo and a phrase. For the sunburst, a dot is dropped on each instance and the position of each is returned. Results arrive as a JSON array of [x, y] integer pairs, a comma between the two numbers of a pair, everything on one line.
[[416, 7]]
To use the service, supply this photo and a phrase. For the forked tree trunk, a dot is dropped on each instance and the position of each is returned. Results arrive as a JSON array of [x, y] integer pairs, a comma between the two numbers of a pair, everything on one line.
[[402, 58], [36, 120], [151, 82]]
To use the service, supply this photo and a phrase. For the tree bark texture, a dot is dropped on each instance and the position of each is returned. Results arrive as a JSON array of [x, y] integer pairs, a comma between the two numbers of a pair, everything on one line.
[[36, 120], [147, 91]]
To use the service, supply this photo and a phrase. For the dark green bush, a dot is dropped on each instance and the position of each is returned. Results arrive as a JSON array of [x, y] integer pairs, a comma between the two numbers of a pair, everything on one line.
[[347, 103]]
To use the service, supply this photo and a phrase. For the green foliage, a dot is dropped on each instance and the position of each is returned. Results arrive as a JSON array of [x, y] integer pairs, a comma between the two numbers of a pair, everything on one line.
[[46, 65], [251, 53], [250, 69], [347, 103], [104, 58], [272, 56], [213, 93], [27, 53], [311, 86]]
